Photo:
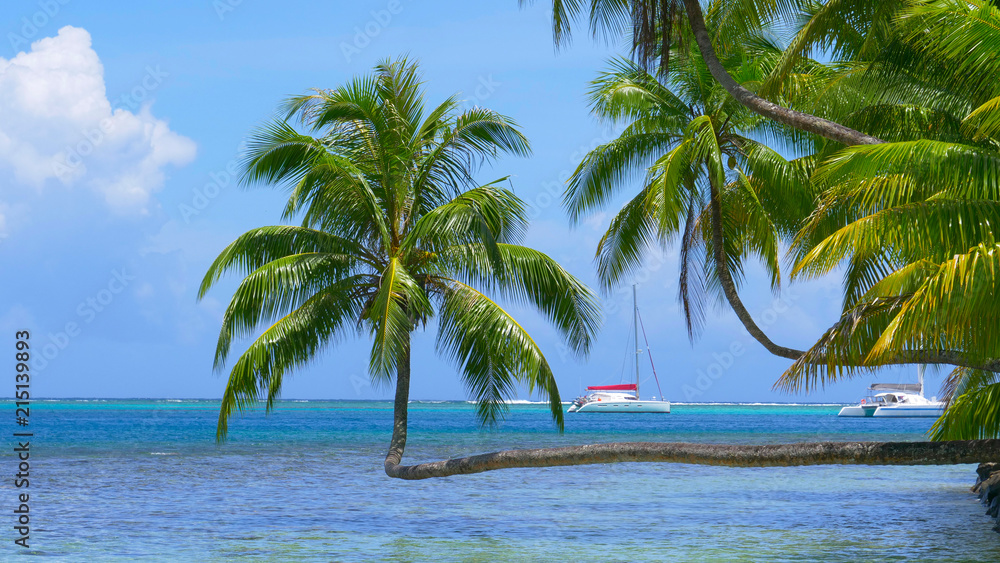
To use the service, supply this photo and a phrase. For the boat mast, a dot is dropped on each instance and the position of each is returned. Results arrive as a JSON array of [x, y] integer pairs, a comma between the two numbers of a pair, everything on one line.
[[635, 327], [920, 377]]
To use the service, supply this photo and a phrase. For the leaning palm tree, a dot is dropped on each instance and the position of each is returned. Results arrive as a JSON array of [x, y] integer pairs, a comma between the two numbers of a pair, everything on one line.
[[688, 142], [394, 231]]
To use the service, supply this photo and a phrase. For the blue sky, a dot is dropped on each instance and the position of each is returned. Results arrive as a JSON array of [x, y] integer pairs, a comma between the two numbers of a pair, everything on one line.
[[119, 128]]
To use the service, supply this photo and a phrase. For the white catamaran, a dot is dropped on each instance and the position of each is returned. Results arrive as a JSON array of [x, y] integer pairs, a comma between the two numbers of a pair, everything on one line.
[[896, 400], [623, 397]]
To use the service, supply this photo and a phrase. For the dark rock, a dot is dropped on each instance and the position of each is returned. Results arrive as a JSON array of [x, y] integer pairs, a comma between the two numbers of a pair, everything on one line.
[[986, 469], [987, 488], [990, 488], [983, 473]]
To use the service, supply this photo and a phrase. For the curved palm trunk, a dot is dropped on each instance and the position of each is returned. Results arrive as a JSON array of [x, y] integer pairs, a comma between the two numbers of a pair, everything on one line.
[[726, 280], [937, 357], [399, 409], [812, 124], [797, 119], [774, 455]]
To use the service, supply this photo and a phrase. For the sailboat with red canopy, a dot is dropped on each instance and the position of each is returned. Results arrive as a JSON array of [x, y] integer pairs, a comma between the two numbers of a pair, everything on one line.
[[623, 397], [624, 387]]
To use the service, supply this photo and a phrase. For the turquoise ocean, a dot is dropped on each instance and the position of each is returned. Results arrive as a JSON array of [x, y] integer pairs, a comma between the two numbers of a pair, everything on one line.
[[143, 480]]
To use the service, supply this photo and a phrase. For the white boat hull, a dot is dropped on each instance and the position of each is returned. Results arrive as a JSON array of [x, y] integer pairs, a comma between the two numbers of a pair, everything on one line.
[[622, 406], [910, 411], [860, 411]]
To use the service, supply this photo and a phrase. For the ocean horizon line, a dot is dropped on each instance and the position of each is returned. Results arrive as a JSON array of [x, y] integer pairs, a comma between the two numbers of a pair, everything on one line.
[[416, 401]]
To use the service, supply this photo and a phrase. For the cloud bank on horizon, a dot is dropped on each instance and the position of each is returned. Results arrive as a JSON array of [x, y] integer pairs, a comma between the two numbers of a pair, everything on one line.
[[59, 129]]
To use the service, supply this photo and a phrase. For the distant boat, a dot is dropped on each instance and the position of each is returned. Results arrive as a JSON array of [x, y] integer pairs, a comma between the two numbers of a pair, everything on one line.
[[623, 397], [898, 400]]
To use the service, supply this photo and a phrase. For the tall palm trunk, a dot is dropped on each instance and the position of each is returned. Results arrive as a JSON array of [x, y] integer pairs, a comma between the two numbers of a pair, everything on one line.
[[398, 442], [797, 119]]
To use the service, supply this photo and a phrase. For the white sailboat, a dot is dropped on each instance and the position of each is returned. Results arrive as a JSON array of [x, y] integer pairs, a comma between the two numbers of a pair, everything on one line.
[[623, 397], [896, 400]]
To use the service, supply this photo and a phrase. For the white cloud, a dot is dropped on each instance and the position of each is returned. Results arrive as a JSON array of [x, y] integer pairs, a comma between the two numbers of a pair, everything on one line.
[[56, 123]]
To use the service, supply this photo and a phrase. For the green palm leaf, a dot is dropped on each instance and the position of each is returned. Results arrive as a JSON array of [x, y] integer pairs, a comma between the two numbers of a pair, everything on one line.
[[935, 230], [880, 176], [531, 278], [259, 246], [632, 231], [494, 353], [955, 299], [289, 343], [280, 285], [984, 121], [971, 416]]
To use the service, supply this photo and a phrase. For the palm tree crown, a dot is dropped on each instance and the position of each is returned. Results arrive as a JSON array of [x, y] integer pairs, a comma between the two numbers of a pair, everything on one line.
[[394, 230]]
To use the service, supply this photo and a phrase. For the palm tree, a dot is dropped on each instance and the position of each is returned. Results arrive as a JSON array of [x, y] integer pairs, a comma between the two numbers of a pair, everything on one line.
[[365, 198], [683, 132], [394, 232]]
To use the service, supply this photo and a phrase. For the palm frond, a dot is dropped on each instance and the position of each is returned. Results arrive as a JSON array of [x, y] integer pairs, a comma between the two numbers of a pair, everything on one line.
[[290, 343], [607, 169], [844, 29], [949, 308], [955, 39], [257, 247], [841, 352], [631, 233], [974, 415], [876, 177], [984, 121], [486, 215], [964, 380], [530, 277], [494, 353], [935, 230], [279, 286]]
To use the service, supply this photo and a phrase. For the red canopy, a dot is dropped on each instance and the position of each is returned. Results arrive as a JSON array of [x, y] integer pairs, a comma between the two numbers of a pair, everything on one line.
[[624, 387]]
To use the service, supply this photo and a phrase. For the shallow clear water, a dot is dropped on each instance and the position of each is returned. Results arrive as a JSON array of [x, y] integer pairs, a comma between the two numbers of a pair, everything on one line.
[[144, 480]]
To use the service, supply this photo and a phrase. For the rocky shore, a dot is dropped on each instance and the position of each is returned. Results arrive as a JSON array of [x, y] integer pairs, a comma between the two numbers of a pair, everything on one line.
[[988, 488]]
